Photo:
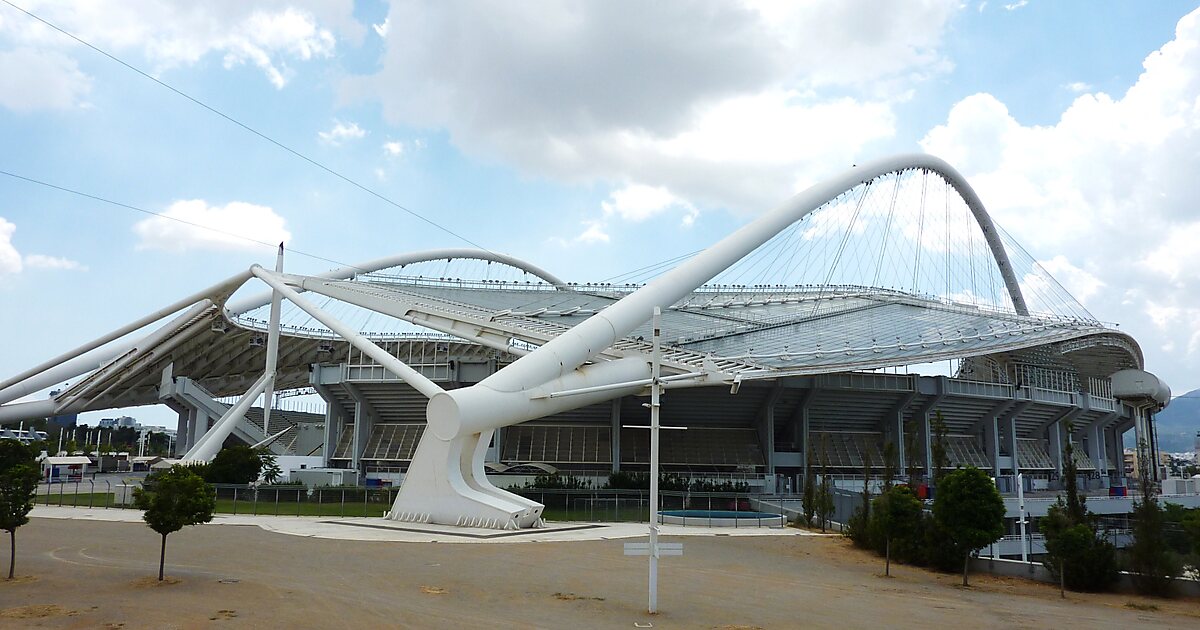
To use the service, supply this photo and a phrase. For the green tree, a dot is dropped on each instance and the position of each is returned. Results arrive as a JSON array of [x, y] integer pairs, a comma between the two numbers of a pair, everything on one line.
[[174, 499], [1151, 561], [270, 467], [235, 464], [895, 514], [18, 485], [969, 508]]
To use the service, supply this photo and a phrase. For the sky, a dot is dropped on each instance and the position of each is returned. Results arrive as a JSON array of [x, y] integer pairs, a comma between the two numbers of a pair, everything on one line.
[[588, 138]]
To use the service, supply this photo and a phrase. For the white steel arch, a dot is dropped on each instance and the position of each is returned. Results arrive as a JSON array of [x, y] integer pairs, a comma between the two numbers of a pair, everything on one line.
[[445, 483], [243, 305]]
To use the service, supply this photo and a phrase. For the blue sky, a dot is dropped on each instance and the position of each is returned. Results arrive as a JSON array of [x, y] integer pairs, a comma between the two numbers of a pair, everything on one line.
[[590, 139]]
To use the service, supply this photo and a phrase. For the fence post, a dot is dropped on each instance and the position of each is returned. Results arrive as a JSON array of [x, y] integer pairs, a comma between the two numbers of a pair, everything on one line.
[[254, 506], [297, 502], [108, 494], [343, 512], [320, 504], [235, 500], [366, 491], [276, 501], [75, 499], [92, 494]]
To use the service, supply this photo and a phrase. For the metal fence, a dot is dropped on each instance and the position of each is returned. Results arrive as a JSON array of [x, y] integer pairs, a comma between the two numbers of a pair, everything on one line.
[[355, 501]]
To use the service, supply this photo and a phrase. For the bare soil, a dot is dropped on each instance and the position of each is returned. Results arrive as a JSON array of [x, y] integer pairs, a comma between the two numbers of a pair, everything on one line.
[[98, 574]]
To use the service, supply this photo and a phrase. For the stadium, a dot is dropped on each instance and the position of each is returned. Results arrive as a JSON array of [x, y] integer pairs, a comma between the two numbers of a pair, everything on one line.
[[865, 311]]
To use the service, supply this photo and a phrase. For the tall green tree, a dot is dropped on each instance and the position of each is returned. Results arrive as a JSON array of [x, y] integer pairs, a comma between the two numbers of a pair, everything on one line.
[[890, 465], [825, 489], [1077, 555], [938, 455], [18, 485], [858, 526], [174, 499], [970, 510], [810, 487], [1151, 561]]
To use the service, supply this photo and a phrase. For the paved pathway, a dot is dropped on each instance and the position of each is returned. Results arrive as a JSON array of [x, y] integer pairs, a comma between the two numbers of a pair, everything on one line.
[[379, 529]]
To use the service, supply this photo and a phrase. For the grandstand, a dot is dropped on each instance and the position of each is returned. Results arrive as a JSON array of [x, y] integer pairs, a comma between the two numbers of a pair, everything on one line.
[[847, 319]]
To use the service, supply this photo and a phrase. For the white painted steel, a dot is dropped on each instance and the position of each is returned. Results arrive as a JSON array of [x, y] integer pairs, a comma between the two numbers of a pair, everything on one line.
[[389, 362], [91, 355], [208, 446], [272, 348], [241, 306]]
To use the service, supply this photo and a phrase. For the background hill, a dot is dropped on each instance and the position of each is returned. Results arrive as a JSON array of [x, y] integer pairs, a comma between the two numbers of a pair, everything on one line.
[[1178, 423]]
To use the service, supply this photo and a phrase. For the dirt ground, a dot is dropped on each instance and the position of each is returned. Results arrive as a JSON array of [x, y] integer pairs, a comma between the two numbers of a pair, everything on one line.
[[79, 574]]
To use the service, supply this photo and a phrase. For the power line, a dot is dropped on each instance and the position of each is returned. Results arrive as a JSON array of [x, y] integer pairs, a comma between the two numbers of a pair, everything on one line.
[[164, 216], [247, 128]]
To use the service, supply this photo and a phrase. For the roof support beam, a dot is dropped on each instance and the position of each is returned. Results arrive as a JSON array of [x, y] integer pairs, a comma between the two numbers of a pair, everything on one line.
[[389, 362]]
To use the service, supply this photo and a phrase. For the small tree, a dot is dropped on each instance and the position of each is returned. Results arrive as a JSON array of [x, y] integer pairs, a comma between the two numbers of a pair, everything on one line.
[[969, 508], [18, 486], [235, 464], [1153, 565], [172, 500], [896, 514], [270, 467]]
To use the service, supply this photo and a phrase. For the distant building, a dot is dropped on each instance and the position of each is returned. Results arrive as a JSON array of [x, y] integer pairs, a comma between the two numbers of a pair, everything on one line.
[[1197, 447], [122, 422], [66, 421]]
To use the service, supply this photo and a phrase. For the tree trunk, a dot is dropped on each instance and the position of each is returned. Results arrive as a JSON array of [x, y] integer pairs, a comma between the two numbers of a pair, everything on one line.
[[966, 563], [12, 552], [887, 554], [162, 557]]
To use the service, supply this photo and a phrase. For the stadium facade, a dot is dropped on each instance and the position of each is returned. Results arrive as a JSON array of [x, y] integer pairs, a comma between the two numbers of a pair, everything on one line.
[[797, 339]]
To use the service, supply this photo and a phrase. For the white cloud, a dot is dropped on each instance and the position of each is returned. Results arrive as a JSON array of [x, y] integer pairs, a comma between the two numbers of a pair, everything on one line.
[[341, 133], [41, 261], [638, 202], [1109, 188], [381, 29], [12, 262], [10, 258], [393, 148], [167, 34], [593, 234], [1016, 5], [1078, 282], [31, 79], [1078, 87], [619, 91], [193, 224]]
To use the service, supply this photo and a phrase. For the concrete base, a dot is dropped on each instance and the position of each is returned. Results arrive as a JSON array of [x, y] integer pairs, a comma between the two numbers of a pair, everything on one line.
[[446, 484]]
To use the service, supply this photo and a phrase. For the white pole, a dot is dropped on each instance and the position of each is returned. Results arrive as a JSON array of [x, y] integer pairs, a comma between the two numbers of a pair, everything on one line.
[[272, 348], [1021, 514], [61, 430], [655, 388]]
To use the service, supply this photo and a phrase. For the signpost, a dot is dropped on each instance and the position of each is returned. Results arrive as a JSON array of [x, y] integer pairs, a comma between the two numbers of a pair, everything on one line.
[[654, 549]]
